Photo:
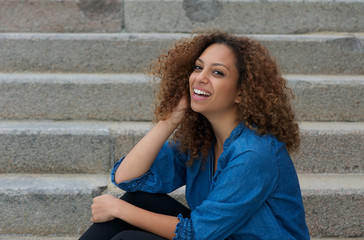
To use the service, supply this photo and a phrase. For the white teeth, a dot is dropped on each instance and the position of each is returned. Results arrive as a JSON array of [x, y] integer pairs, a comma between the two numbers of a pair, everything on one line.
[[199, 92]]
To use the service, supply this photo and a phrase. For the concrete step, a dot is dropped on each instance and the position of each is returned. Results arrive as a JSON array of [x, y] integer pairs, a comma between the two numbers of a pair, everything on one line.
[[325, 53], [129, 97], [64, 147], [76, 96], [29, 237], [238, 16], [61, 16], [333, 204], [330, 147], [47, 204], [35, 237], [92, 147], [242, 16], [60, 204]]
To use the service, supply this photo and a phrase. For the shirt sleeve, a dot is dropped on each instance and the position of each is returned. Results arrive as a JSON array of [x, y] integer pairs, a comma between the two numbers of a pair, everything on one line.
[[167, 173], [237, 193]]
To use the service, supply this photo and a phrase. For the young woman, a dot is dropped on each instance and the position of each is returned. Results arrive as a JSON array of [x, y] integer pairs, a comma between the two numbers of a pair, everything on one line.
[[225, 103]]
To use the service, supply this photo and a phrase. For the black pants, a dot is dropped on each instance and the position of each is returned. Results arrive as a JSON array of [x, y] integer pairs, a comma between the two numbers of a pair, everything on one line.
[[120, 230]]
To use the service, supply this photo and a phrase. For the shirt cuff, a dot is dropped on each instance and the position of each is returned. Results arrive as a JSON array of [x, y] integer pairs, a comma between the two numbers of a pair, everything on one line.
[[129, 186], [184, 229]]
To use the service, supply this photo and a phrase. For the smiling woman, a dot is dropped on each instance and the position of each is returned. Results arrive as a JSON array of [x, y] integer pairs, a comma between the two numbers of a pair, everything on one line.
[[225, 103]]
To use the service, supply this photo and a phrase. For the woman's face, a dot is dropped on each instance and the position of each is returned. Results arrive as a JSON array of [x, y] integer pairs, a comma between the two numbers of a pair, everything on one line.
[[214, 81]]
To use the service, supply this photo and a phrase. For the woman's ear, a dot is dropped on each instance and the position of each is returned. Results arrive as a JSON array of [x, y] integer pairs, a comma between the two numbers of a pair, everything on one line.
[[238, 98]]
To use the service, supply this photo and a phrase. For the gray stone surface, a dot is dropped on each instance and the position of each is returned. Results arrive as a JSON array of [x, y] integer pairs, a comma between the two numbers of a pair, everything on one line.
[[92, 147], [115, 53], [28, 237], [331, 147], [244, 16], [333, 204], [129, 97], [126, 135], [328, 98], [61, 16], [76, 96], [41, 237], [47, 204], [54, 147]]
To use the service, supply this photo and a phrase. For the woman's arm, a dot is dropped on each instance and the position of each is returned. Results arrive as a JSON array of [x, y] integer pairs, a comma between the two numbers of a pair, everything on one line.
[[107, 207], [139, 160]]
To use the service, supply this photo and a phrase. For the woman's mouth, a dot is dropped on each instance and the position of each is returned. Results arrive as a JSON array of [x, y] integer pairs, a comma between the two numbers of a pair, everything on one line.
[[201, 93]]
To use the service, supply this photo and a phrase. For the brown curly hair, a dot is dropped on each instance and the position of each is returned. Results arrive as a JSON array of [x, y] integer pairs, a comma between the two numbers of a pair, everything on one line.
[[265, 105]]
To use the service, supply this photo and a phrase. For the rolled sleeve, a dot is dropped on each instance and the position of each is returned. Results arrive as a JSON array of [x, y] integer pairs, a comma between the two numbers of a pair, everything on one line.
[[167, 173], [129, 186], [184, 229]]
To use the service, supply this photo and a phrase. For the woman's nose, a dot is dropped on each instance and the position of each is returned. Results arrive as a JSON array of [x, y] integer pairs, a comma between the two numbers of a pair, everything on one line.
[[202, 77]]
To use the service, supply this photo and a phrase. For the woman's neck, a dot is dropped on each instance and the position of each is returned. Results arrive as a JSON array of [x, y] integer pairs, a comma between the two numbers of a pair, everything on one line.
[[222, 127]]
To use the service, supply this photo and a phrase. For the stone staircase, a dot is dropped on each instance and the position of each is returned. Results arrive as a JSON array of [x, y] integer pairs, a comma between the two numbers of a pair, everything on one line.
[[73, 100]]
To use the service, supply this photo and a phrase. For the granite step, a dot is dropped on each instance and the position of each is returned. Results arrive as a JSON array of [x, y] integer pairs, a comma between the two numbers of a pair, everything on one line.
[[34, 237], [60, 204], [47, 203], [29, 237], [92, 147], [129, 97], [324, 53], [237, 16], [61, 16], [242, 16]]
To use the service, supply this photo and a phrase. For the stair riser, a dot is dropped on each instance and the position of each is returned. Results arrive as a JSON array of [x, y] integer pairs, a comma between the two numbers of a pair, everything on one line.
[[182, 16], [81, 97], [272, 17], [131, 97], [335, 150], [61, 16], [334, 215], [45, 213], [308, 54], [36, 149], [92, 148], [38, 204]]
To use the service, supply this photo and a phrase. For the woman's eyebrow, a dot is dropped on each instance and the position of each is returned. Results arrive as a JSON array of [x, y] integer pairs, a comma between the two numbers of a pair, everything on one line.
[[214, 64]]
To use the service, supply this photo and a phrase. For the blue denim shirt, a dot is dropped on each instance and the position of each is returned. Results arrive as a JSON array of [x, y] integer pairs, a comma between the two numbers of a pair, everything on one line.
[[254, 193]]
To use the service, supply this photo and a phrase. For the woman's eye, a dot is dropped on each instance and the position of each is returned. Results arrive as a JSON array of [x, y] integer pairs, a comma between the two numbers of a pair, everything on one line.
[[216, 72], [196, 67]]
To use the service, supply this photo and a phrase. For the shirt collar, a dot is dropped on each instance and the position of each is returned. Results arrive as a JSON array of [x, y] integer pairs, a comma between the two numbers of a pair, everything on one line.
[[233, 135]]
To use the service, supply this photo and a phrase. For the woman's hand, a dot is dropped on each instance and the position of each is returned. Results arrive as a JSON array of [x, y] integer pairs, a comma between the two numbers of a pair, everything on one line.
[[103, 208], [179, 111]]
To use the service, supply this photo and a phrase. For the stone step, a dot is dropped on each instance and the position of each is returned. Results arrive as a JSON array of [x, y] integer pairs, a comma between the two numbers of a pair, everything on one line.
[[37, 237], [330, 147], [47, 204], [333, 204], [60, 204], [61, 16], [242, 16], [129, 97], [238, 16], [65, 147], [34, 237], [92, 147], [324, 53], [76, 96]]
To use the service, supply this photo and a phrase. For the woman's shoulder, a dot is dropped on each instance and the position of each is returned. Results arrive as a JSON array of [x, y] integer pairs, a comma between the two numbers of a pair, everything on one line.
[[249, 139]]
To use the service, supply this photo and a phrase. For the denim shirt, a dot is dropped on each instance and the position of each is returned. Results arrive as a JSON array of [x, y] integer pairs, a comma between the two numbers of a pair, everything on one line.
[[253, 194]]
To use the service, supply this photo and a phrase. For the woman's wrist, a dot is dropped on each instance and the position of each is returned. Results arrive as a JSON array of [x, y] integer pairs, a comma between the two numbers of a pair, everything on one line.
[[169, 124], [118, 208]]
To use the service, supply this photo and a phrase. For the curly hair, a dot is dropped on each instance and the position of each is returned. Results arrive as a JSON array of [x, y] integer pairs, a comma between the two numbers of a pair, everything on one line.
[[265, 105]]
